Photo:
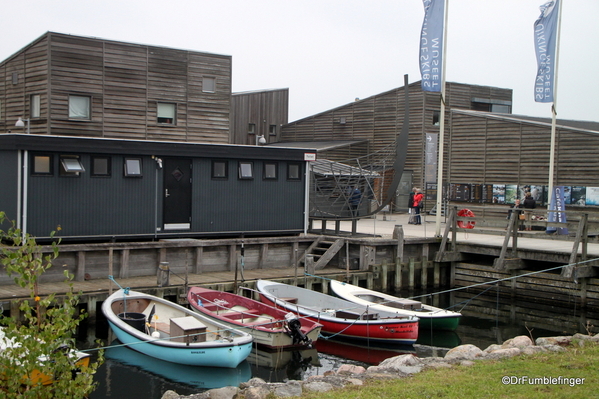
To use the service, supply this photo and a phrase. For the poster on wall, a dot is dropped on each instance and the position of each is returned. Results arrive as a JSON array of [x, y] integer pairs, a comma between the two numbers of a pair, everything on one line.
[[578, 196], [592, 197], [476, 192], [511, 193], [535, 191], [499, 193], [431, 192], [459, 192]]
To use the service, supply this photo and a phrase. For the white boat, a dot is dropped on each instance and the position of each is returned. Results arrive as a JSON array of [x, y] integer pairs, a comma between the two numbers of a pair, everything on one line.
[[340, 317], [165, 330], [430, 316]]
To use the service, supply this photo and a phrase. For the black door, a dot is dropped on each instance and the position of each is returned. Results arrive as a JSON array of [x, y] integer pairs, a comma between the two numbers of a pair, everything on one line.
[[177, 194]]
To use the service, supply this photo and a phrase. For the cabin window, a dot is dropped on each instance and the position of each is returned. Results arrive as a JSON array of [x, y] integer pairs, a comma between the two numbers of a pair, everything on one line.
[[42, 165], [36, 103], [101, 166], [272, 130], [166, 113], [220, 169], [294, 171], [246, 170], [208, 84], [80, 107], [270, 170], [70, 165], [132, 167]]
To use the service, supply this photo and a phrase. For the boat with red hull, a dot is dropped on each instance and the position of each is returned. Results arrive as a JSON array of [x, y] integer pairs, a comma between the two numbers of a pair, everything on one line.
[[338, 316], [271, 327]]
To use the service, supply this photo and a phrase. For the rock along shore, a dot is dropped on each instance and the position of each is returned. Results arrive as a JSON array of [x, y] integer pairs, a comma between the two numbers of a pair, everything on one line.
[[392, 368]]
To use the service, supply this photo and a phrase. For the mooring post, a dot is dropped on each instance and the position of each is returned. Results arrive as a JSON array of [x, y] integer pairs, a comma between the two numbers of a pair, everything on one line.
[[309, 264], [398, 271], [411, 268], [398, 235], [163, 275], [383, 278], [424, 269], [436, 274]]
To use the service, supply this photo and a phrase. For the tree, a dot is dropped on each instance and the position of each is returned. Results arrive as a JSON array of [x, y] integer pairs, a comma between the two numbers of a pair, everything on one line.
[[41, 343]]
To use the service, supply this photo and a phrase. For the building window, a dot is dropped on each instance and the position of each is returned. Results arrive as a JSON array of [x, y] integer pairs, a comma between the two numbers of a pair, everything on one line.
[[294, 171], [41, 165], [101, 166], [220, 169], [208, 85], [272, 130], [70, 165], [133, 167], [246, 170], [80, 107], [436, 118], [502, 109], [251, 128], [36, 103], [270, 170], [166, 113]]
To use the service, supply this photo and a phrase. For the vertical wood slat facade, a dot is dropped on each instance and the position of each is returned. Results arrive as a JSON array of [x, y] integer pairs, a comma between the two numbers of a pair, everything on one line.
[[378, 119], [501, 149], [263, 109], [125, 83]]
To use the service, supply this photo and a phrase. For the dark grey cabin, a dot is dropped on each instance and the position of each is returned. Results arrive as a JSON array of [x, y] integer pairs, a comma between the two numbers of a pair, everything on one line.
[[112, 189]]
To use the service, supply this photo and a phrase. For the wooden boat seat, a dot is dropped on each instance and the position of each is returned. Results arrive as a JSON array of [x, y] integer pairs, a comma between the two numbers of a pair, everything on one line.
[[243, 314]]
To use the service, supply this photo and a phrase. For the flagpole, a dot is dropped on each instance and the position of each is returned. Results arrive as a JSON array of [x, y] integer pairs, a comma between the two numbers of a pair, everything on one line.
[[554, 106], [439, 205]]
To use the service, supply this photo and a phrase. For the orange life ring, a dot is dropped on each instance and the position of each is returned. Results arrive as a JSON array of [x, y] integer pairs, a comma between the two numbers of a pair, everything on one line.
[[466, 213]]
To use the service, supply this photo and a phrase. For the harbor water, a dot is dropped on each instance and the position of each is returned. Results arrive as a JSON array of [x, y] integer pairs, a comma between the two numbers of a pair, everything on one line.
[[487, 319]]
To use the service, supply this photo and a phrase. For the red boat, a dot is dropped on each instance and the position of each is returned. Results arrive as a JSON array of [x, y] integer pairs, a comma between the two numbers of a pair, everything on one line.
[[338, 316], [270, 327]]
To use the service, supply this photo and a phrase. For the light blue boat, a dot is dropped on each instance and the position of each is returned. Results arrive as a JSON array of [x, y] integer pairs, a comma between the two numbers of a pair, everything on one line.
[[194, 376], [165, 330]]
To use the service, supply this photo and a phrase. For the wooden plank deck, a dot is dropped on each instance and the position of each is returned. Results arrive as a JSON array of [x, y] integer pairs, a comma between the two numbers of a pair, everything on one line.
[[97, 286]]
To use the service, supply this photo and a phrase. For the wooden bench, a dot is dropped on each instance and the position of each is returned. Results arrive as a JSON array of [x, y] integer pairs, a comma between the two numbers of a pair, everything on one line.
[[244, 314]]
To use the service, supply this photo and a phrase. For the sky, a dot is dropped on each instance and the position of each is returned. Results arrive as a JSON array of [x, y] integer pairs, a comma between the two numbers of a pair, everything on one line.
[[330, 52]]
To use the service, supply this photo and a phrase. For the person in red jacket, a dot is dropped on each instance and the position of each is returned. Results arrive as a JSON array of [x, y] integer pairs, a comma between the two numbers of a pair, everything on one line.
[[418, 197]]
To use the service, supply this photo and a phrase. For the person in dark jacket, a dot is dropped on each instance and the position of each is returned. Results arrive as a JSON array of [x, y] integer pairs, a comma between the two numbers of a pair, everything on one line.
[[529, 203]]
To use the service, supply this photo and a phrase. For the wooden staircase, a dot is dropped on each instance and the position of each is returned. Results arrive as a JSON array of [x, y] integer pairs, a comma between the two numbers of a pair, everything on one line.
[[323, 249]]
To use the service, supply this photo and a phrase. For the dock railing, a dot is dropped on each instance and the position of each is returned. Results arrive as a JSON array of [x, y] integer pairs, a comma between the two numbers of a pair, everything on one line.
[[579, 227]]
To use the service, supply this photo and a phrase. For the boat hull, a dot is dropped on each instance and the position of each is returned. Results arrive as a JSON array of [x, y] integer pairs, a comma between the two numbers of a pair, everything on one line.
[[385, 328], [268, 325], [225, 347], [430, 317]]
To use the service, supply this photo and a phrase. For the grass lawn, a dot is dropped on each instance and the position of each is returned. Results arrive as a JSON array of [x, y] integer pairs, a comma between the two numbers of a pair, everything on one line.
[[527, 377]]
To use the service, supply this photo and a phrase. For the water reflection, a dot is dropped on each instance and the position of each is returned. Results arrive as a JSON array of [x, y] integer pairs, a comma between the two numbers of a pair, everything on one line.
[[150, 377], [277, 366]]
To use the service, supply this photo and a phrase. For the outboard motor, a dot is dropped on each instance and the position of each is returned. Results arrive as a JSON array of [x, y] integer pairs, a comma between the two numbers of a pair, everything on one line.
[[294, 329]]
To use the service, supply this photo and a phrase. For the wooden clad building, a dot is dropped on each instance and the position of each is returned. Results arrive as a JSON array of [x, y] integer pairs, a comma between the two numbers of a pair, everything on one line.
[[79, 86], [371, 125], [486, 148], [258, 115]]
